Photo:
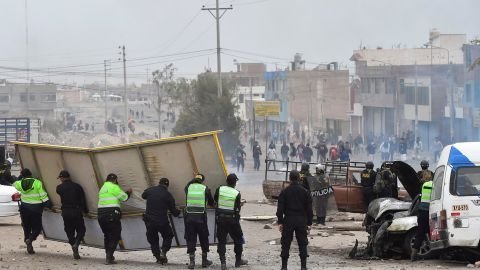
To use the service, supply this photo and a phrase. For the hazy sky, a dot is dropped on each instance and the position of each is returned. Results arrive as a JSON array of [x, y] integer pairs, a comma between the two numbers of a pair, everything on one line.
[[78, 32]]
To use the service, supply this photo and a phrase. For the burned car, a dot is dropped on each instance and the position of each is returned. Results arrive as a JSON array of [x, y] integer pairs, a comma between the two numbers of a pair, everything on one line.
[[392, 223], [344, 178]]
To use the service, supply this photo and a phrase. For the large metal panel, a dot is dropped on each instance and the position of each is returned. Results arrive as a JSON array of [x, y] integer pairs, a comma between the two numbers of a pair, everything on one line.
[[139, 166]]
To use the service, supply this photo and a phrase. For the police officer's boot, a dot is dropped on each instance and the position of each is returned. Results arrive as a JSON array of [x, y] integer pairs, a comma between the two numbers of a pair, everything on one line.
[[30, 250], [163, 257], [205, 261], [75, 246], [413, 255], [284, 264], [223, 262], [303, 263], [191, 265], [239, 261]]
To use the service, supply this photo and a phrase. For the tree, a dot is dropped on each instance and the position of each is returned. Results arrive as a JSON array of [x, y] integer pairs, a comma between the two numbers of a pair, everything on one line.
[[205, 111]]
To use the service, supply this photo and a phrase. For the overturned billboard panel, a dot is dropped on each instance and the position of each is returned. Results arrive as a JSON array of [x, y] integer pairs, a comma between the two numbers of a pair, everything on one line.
[[138, 165]]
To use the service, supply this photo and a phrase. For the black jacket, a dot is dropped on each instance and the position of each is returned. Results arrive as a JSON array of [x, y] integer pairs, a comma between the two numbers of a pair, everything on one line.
[[237, 206], [73, 198], [295, 205], [159, 202]]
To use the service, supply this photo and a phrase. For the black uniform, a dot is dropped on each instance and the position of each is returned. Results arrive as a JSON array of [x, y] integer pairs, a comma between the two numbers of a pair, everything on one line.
[[159, 202], [229, 224], [294, 212], [304, 175], [386, 184], [73, 207], [425, 175], [196, 224], [368, 180]]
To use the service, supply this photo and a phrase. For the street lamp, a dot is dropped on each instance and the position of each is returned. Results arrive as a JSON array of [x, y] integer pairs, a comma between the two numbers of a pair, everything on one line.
[[450, 85]]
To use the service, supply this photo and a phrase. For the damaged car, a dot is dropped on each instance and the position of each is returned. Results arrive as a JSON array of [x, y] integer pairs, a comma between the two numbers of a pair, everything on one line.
[[392, 223]]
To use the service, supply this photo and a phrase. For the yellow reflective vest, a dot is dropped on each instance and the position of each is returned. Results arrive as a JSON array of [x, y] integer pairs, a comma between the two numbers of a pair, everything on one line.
[[31, 191], [110, 195]]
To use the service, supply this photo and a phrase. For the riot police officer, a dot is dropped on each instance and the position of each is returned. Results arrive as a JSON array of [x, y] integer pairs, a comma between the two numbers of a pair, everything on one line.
[[367, 178], [320, 190], [385, 183], [305, 174], [425, 174]]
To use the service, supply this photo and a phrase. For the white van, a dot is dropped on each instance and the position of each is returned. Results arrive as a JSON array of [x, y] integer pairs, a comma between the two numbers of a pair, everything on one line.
[[455, 202]]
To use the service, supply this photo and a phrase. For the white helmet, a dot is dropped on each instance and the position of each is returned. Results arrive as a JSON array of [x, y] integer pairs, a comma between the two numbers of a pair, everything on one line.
[[320, 167]]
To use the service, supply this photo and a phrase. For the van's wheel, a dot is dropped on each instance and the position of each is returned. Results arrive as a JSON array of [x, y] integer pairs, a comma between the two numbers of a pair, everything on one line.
[[425, 251]]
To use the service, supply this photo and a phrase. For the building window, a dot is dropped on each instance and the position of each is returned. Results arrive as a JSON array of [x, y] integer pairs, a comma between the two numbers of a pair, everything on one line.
[[48, 98], [240, 98], [423, 97], [23, 97], [468, 93], [365, 86], [32, 98], [477, 95], [377, 85], [468, 56], [4, 98], [389, 86]]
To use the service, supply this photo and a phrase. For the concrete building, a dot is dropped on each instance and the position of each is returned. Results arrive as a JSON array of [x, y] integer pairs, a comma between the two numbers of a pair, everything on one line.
[[37, 100], [310, 100], [472, 90], [398, 87]]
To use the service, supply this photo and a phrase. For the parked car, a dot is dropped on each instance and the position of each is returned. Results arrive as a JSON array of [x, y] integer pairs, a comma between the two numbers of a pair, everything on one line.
[[9, 200]]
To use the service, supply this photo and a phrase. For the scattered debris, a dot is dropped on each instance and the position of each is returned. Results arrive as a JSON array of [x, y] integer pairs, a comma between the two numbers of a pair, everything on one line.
[[258, 218], [324, 234], [43, 246], [477, 264], [272, 242], [470, 265], [267, 227]]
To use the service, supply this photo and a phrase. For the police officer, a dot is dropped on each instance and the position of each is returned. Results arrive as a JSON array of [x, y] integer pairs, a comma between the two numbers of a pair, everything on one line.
[[367, 178], [294, 213], [109, 214], [195, 216], [422, 218], [425, 174], [385, 183], [6, 177], [305, 174], [74, 205], [320, 190], [159, 202], [228, 220], [34, 198]]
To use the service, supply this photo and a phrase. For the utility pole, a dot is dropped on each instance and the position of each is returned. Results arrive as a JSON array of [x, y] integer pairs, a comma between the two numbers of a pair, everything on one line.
[[106, 92], [416, 104], [125, 90], [251, 102], [217, 16], [27, 56]]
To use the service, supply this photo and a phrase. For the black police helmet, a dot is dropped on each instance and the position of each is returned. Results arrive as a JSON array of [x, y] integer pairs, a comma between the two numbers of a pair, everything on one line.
[[369, 165], [232, 179], [164, 181], [305, 167], [294, 176], [424, 164]]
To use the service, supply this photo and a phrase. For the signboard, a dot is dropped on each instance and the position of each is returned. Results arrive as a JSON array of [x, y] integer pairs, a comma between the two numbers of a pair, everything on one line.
[[267, 108], [476, 117], [14, 129]]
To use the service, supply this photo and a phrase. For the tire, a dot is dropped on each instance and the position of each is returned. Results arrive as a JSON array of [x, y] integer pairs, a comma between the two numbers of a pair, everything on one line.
[[425, 252]]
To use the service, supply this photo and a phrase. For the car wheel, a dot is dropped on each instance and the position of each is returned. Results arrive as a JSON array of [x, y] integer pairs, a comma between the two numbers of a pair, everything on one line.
[[424, 252]]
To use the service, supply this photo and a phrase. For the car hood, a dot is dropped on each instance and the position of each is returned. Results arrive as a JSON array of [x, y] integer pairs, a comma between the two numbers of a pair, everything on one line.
[[407, 176], [382, 205]]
